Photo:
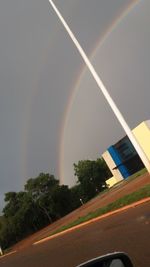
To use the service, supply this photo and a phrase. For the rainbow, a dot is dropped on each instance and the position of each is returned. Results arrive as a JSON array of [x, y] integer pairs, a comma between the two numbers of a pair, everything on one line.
[[34, 91], [75, 86]]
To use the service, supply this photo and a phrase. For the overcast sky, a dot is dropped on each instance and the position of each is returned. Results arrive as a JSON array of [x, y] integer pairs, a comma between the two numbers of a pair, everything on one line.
[[51, 111]]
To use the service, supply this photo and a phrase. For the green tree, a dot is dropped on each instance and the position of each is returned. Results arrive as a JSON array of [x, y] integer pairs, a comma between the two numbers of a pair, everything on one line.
[[76, 196], [62, 200], [42, 202], [12, 204], [40, 190], [22, 217], [91, 176], [41, 185]]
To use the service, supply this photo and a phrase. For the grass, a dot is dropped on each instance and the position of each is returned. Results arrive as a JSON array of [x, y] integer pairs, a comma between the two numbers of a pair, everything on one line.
[[135, 175], [129, 179], [126, 200]]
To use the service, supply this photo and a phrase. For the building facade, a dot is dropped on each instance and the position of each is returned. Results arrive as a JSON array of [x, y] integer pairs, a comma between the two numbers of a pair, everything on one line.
[[122, 158]]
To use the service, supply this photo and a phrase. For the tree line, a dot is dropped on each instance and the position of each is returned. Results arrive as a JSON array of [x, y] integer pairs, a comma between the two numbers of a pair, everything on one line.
[[44, 200]]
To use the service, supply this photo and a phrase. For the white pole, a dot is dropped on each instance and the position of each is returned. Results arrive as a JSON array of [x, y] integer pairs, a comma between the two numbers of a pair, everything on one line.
[[81, 201], [1, 252], [100, 84]]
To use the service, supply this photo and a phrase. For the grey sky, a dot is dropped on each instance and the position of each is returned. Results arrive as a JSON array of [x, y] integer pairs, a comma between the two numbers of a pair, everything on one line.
[[38, 68], [123, 64]]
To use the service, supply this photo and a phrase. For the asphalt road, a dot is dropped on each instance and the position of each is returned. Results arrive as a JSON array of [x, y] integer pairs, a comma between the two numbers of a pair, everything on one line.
[[128, 231]]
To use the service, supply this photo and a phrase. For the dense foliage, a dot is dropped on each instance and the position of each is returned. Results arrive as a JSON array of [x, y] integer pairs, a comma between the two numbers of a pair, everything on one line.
[[91, 176], [44, 200]]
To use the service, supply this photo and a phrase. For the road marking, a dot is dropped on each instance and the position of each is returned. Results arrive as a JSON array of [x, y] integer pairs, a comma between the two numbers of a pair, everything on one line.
[[135, 204], [8, 254]]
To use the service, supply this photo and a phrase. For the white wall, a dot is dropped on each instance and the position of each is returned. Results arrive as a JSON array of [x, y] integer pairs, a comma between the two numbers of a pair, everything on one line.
[[111, 164], [142, 134]]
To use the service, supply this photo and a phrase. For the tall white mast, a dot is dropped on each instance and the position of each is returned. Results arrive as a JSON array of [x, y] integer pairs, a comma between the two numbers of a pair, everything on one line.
[[100, 84]]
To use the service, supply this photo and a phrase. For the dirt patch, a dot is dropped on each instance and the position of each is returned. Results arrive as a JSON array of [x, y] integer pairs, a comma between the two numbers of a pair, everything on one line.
[[102, 200]]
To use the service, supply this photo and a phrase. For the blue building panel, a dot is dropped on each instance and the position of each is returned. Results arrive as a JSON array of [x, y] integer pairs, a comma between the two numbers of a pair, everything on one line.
[[117, 159]]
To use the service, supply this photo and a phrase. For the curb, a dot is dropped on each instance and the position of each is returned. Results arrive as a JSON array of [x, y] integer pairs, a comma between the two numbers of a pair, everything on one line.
[[135, 204], [10, 253]]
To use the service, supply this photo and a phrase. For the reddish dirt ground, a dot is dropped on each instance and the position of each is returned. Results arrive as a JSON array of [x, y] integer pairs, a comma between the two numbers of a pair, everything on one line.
[[113, 194]]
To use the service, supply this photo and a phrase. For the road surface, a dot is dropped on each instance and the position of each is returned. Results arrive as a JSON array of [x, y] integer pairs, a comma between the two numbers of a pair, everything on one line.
[[128, 231], [102, 200]]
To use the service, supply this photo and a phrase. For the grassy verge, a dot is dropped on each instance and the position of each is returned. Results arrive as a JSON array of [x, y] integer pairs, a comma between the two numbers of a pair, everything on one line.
[[137, 174], [126, 200], [129, 179]]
